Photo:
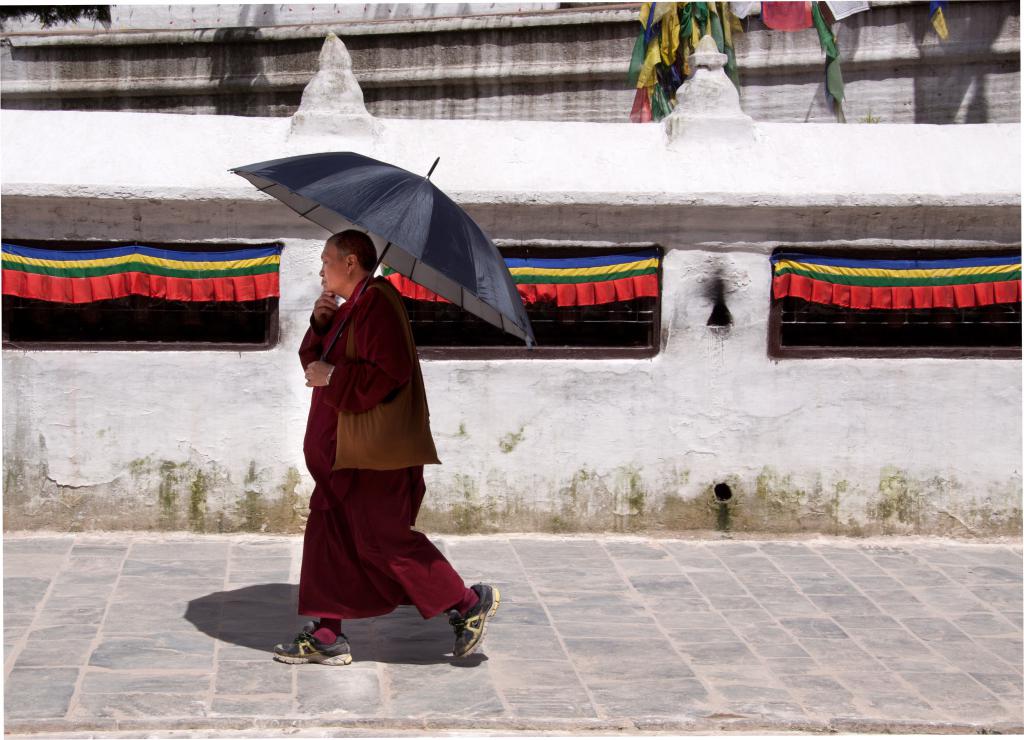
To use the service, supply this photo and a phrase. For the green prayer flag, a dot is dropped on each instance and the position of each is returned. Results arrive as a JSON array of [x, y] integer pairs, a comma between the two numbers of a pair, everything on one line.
[[834, 80], [716, 32], [700, 12], [637, 60], [660, 106], [833, 73], [825, 36]]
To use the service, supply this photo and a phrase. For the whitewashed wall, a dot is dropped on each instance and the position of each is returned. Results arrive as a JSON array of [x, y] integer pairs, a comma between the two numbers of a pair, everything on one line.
[[213, 440]]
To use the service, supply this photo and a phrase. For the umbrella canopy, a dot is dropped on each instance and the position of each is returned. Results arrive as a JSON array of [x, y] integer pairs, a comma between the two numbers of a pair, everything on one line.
[[420, 231]]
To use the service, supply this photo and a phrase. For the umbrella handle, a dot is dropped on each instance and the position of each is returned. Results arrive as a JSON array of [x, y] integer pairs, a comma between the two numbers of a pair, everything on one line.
[[362, 289]]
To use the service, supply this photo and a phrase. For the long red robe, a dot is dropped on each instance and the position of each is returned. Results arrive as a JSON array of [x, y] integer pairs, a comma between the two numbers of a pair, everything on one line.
[[360, 557]]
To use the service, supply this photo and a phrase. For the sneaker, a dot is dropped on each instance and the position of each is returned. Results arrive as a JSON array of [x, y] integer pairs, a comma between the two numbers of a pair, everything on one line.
[[307, 649], [469, 627]]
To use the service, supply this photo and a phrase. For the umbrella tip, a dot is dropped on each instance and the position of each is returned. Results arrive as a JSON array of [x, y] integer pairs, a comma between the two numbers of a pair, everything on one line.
[[432, 167]]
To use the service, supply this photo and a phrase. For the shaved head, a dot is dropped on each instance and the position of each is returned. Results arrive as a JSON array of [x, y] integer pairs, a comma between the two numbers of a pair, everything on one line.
[[356, 243]]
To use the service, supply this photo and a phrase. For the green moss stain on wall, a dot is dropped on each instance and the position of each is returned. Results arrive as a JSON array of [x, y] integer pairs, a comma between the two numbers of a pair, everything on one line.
[[199, 495], [511, 440], [285, 513], [900, 501], [250, 508], [167, 495], [197, 502], [630, 498], [467, 512]]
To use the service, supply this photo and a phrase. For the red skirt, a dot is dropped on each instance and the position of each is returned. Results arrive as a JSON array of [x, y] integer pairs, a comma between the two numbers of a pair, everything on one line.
[[360, 558]]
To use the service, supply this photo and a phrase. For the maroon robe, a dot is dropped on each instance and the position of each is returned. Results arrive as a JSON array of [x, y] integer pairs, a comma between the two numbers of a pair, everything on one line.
[[360, 557]]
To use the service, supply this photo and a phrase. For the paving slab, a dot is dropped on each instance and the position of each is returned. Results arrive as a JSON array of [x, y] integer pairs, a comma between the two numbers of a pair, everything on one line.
[[148, 633]]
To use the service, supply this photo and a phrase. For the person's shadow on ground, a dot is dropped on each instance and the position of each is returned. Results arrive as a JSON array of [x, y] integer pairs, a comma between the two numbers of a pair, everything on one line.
[[258, 617]]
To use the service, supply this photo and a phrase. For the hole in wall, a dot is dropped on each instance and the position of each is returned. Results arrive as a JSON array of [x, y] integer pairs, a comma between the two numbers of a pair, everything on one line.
[[723, 492], [715, 292]]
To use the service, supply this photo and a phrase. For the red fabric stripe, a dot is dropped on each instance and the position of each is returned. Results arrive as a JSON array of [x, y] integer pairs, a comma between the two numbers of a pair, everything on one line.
[[902, 297], [106, 287], [984, 294], [943, 297], [1007, 292], [821, 292], [896, 297], [860, 296], [562, 294]]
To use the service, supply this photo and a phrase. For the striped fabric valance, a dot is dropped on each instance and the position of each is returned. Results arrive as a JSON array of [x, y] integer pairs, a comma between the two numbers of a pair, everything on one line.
[[897, 284], [573, 281], [75, 276]]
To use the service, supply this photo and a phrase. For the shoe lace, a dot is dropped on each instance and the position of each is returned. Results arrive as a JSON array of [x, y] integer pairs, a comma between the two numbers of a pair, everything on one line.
[[457, 621], [304, 638]]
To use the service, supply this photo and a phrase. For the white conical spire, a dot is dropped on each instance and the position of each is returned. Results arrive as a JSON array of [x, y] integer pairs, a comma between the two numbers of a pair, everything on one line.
[[332, 102]]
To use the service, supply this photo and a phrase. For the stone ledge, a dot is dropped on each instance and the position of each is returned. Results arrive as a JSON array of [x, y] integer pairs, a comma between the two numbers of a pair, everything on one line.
[[612, 13], [693, 223]]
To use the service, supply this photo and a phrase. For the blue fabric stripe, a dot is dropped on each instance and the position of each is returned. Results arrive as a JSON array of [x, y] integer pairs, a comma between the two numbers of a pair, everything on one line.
[[1013, 259], [167, 254], [601, 260]]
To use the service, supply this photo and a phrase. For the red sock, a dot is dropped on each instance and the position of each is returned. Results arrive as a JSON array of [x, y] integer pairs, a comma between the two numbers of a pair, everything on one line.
[[328, 630], [469, 600]]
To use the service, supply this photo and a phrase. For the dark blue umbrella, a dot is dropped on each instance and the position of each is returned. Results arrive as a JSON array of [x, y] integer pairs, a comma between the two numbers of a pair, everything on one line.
[[418, 230]]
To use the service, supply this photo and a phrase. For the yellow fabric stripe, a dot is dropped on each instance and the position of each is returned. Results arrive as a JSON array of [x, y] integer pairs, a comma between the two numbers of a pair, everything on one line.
[[144, 258], [880, 272], [579, 271]]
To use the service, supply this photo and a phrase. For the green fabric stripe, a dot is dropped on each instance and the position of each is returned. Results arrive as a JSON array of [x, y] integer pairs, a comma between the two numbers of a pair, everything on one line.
[[137, 267], [545, 279], [891, 282]]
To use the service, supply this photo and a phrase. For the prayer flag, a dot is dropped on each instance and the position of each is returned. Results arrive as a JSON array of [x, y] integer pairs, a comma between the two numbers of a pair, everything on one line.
[[786, 16], [845, 8], [833, 74], [85, 276], [892, 284], [743, 9], [573, 281], [641, 112], [939, 18]]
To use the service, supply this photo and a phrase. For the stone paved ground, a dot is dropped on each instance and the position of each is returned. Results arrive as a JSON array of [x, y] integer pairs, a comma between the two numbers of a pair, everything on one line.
[[122, 633]]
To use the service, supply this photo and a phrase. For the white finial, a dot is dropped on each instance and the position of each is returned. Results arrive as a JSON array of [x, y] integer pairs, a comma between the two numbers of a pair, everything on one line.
[[332, 102], [707, 104], [707, 55]]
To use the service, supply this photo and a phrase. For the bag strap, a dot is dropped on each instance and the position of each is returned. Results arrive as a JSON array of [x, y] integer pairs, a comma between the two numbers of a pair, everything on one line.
[[396, 303]]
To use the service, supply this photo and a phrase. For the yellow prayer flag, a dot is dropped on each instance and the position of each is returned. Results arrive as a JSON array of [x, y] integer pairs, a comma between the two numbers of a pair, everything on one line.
[[724, 14], [670, 36], [645, 11], [661, 10], [939, 22], [734, 22], [647, 74]]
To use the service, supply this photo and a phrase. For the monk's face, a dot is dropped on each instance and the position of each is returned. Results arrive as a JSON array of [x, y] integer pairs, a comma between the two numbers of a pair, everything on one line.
[[339, 272]]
